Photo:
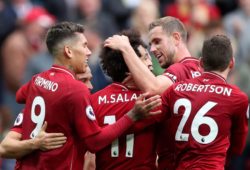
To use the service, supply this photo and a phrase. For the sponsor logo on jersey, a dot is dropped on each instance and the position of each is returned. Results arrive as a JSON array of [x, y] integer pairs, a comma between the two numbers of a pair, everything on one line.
[[90, 113], [195, 74]]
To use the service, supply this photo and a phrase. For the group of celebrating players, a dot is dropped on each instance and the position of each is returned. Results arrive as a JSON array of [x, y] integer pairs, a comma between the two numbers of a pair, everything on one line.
[[187, 118]]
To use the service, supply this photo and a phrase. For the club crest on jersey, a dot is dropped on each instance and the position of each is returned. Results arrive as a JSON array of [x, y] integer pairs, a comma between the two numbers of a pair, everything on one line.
[[248, 112], [19, 119], [90, 113]]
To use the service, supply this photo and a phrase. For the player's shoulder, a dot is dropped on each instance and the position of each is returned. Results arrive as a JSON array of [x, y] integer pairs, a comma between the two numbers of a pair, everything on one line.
[[112, 88], [103, 91], [77, 85], [184, 64], [175, 66], [237, 93]]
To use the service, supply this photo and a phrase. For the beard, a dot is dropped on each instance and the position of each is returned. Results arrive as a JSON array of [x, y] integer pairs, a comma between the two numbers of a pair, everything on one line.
[[169, 61]]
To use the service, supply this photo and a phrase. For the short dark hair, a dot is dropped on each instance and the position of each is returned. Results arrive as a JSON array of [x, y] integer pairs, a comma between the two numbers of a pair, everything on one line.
[[59, 32], [216, 53], [169, 25], [112, 61]]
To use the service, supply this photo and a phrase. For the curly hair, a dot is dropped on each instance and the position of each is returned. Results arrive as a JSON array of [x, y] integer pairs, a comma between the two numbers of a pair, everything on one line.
[[112, 61]]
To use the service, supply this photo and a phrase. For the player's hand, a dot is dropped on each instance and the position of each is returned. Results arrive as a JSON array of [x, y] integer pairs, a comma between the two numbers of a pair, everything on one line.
[[46, 141], [117, 42], [144, 105]]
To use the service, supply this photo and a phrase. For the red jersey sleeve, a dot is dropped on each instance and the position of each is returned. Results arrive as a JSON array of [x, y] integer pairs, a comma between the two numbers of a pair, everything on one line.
[[185, 69], [166, 113], [239, 126], [83, 116], [171, 72], [18, 123], [21, 94]]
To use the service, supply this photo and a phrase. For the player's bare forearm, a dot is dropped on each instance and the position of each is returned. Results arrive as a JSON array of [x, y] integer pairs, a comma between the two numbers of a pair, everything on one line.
[[149, 83], [143, 77], [13, 147]]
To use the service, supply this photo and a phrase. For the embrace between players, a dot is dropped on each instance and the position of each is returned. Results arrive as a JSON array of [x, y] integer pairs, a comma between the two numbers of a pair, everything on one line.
[[198, 122]]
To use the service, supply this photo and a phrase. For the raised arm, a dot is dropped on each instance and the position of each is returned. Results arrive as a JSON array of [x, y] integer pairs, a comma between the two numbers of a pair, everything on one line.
[[143, 77]]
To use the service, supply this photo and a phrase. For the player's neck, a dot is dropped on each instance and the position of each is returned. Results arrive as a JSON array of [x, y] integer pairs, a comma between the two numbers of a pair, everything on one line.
[[181, 54], [63, 63], [129, 82], [223, 74]]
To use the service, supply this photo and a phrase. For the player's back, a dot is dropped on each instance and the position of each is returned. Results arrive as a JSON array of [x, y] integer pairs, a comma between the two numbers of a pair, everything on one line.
[[187, 68], [203, 111], [135, 149], [51, 96]]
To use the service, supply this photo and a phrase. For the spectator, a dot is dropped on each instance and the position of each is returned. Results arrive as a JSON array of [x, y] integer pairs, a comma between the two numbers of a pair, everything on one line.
[[237, 24], [92, 11], [22, 44]]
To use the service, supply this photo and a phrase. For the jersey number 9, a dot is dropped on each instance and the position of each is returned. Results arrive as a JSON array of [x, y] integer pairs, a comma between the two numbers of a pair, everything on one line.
[[37, 118]]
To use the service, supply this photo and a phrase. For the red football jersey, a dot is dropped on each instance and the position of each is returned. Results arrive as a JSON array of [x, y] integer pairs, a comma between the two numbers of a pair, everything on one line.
[[205, 112], [135, 149], [56, 97], [185, 69]]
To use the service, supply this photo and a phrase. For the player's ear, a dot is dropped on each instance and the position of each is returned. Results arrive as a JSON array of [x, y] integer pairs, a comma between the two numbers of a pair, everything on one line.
[[231, 63], [176, 37], [67, 51]]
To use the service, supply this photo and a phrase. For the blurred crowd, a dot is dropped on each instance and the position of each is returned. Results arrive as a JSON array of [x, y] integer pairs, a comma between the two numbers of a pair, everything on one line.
[[23, 26]]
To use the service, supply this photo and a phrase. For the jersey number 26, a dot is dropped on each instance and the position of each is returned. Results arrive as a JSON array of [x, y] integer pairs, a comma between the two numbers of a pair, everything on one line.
[[198, 120]]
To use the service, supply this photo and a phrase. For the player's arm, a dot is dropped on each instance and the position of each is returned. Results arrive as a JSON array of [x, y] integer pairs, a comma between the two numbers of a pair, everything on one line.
[[13, 146], [239, 130], [149, 83], [89, 161], [141, 109]]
